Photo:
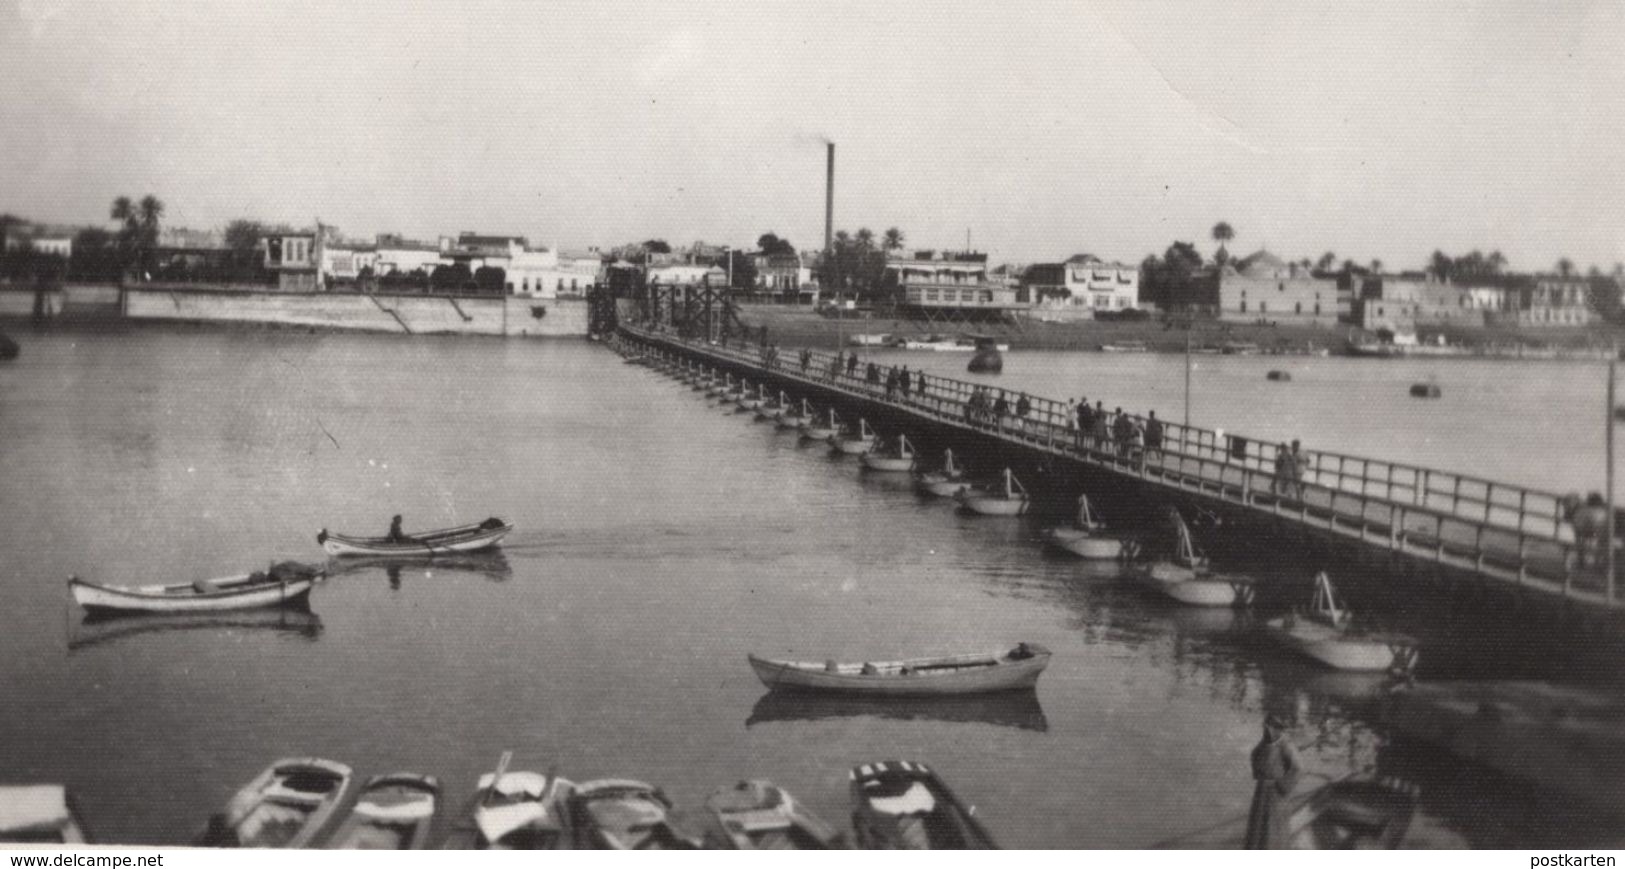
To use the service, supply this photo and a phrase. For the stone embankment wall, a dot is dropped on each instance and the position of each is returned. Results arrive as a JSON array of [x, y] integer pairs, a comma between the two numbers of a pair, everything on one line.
[[417, 315]]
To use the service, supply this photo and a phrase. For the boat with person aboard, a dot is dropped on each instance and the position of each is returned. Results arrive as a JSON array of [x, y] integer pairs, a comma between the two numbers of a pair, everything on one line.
[[758, 815], [1010, 669], [287, 583], [289, 805], [443, 541], [1325, 633], [902, 805], [1005, 498]]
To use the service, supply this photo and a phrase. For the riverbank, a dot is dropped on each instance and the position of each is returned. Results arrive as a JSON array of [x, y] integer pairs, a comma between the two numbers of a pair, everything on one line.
[[509, 316], [800, 327]]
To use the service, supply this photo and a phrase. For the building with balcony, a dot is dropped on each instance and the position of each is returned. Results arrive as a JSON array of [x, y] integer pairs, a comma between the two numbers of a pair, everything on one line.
[[955, 286]]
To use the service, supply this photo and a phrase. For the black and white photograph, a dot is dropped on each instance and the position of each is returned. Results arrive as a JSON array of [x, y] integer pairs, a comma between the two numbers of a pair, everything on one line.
[[486, 424]]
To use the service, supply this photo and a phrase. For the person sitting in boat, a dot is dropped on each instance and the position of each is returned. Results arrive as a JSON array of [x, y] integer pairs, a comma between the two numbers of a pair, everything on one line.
[[395, 534], [1021, 652]]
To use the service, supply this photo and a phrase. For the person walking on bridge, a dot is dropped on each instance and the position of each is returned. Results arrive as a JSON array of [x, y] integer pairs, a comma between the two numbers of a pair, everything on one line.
[[852, 365], [903, 382], [1153, 434]]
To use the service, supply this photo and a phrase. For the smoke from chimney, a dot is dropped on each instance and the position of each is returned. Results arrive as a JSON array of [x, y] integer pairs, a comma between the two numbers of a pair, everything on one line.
[[829, 199]]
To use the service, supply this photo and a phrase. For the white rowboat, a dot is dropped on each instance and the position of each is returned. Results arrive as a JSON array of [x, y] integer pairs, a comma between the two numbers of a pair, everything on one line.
[[248, 591], [1087, 537], [902, 460], [1008, 670], [463, 538], [1008, 500], [1324, 634]]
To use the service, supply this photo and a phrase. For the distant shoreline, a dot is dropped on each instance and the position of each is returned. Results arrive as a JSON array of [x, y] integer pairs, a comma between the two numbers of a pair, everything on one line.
[[800, 327]]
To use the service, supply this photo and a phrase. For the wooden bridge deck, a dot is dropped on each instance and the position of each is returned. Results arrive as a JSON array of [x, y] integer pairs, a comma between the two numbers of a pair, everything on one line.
[[1502, 533]]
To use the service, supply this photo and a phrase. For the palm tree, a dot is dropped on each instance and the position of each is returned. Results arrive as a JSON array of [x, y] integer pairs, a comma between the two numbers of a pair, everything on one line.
[[865, 238], [893, 240], [1222, 232], [1376, 266], [1496, 262], [1326, 260], [1565, 267]]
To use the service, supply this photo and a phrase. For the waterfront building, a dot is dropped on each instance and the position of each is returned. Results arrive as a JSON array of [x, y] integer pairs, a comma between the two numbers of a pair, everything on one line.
[[1263, 288], [1402, 303], [544, 274], [781, 274], [954, 286], [295, 259], [39, 238], [344, 262], [1549, 300], [397, 254], [1080, 287]]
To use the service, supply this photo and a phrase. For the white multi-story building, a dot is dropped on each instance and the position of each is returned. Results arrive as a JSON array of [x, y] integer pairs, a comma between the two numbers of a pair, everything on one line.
[[1101, 286]]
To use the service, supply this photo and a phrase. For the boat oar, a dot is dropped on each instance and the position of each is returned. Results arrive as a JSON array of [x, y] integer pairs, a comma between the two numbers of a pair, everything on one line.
[[496, 777]]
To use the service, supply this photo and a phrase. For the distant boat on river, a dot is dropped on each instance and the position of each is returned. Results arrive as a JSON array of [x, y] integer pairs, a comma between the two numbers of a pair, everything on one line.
[[463, 538], [288, 583], [987, 359], [1009, 670]]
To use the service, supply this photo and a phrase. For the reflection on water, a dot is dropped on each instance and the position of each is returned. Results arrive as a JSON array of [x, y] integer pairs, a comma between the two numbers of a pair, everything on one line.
[[104, 628], [490, 564], [1004, 709]]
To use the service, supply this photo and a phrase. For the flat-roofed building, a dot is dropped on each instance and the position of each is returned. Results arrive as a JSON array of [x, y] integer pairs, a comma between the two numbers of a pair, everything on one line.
[[1262, 287], [957, 284]]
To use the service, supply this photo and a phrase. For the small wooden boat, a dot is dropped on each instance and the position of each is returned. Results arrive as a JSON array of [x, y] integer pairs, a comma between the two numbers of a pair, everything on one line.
[[1349, 814], [393, 813], [1324, 634], [1009, 499], [760, 816], [1186, 578], [946, 482], [289, 805], [900, 460], [1009, 670], [1279, 376], [734, 393], [720, 387], [795, 416], [1124, 347], [463, 538], [518, 811], [771, 408], [286, 584], [626, 815], [1425, 390], [8, 349], [1087, 538], [855, 443], [39, 815], [752, 400], [702, 382], [821, 430], [1019, 709], [903, 805]]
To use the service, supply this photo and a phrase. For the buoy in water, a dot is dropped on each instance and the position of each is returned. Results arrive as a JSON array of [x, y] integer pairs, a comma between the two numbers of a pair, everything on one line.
[[1425, 390], [1279, 376]]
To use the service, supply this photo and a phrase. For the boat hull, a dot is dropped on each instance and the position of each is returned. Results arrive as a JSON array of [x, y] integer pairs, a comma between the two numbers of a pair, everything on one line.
[[992, 505], [1086, 545], [1005, 675], [893, 464], [423, 545], [1335, 649], [941, 486], [1187, 587], [817, 432], [289, 805], [185, 599], [853, 446]]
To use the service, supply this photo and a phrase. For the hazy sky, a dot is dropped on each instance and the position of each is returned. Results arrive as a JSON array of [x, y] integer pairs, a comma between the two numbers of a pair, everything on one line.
[[1369, 129]]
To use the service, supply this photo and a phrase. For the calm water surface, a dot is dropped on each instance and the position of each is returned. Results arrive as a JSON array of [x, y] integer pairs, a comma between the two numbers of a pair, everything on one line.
[[659, 540]]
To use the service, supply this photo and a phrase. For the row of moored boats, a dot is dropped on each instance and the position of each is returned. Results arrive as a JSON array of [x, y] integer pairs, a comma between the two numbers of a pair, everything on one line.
[[318, 803]]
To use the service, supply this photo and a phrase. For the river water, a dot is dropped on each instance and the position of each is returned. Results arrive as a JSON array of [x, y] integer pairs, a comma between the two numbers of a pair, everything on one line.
[[659, 539]]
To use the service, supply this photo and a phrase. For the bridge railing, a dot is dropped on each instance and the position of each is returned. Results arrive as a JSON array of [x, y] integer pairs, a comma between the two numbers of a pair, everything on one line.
[[1523, 510]]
